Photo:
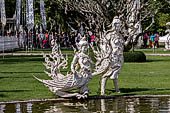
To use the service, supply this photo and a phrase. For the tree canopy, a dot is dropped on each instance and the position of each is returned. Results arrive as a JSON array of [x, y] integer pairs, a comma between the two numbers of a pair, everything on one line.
[[61, 12]]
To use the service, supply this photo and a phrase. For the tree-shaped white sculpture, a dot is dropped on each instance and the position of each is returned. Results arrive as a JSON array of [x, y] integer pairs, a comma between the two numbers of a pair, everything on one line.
[[79, 77], [109, 56], [167, 43]]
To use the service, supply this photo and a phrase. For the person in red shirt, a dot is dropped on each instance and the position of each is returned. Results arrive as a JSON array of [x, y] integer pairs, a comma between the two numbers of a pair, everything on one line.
[[47, 40], [93, 39], [145, 40]]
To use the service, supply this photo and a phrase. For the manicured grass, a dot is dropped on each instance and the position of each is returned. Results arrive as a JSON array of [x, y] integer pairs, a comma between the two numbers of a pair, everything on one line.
[[16, 78], [17, 82], [149, 78]]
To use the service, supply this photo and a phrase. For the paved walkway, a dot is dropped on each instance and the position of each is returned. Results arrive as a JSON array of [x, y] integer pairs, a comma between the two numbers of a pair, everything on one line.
[[155, 54]]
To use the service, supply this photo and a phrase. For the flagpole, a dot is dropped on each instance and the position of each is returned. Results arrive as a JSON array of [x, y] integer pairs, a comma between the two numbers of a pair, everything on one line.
[[3, 40], [23, 17], [24, 23]]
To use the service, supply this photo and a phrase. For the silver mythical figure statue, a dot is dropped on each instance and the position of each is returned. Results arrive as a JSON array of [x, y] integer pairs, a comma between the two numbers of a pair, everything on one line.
[[167, 43], [109, 55], [78, 78], [166, 38]]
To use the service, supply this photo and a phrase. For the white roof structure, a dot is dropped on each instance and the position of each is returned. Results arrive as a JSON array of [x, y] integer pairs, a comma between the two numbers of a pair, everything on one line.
[[164, 38]]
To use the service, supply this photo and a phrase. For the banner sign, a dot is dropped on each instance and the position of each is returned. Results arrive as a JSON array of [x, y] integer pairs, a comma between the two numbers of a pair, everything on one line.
[[18, 13], [29, 14], [43, 17], [3, 13]]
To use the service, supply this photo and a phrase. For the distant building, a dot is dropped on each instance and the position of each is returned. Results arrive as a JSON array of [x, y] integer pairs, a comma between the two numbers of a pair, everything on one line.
[[9, 28]]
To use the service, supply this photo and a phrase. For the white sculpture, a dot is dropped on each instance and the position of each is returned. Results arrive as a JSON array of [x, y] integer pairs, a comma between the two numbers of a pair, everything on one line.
[[110, 55], [21, 40], [79, 77], [166, 38], [167, 43]]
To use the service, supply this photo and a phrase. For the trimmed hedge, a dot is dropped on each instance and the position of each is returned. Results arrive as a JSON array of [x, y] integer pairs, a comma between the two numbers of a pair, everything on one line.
[[136, 56]]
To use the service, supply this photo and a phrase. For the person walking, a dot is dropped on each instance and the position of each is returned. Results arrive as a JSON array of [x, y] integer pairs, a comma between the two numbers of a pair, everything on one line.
[[156, 40], [145, 40], [153, 40]]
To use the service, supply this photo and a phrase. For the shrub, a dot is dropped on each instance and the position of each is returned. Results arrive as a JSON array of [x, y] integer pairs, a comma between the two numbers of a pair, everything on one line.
[[136, 56]]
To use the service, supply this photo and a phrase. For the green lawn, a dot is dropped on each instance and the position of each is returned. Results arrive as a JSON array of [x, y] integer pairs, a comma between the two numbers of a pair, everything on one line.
[[151, 77], [17, 82]]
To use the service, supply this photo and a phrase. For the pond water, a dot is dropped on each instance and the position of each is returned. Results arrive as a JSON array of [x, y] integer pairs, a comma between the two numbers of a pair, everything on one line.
[[116, 105]]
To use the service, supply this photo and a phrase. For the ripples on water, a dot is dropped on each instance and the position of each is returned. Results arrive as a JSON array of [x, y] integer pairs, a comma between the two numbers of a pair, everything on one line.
[[117, 105]]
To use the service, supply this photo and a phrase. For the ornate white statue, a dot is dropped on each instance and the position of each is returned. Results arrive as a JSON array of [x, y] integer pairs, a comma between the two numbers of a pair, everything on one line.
[[167, 43], [21, 40], [166, 38], [110, 55], [79, 77]]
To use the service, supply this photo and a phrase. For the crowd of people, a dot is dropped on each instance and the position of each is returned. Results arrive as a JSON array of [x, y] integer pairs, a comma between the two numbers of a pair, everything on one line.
[[64, 39], [152, 39], [67, 40], [43, 39]]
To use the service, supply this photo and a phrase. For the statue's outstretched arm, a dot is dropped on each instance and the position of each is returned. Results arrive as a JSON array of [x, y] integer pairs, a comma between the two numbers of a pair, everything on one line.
[[108, 53], [73, 63]]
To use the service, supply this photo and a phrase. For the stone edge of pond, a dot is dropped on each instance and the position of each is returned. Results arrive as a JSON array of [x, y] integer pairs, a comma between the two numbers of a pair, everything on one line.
[[90, 97]]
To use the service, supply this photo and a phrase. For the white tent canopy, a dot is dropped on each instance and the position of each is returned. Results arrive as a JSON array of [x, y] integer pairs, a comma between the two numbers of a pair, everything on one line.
[[164, 38]]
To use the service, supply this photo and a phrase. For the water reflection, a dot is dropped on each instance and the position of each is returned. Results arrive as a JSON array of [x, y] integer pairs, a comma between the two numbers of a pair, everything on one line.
[[2, 108], [117, 105], [18, 108]]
